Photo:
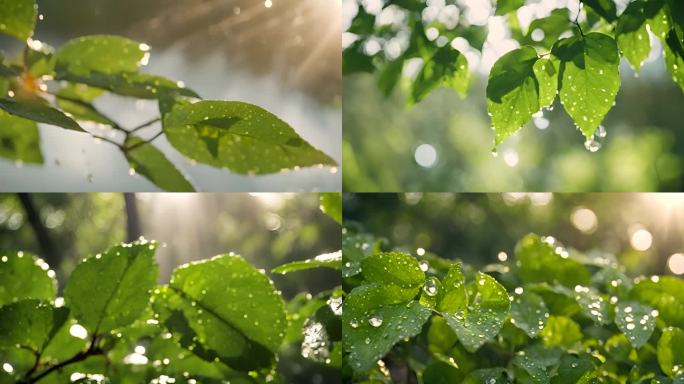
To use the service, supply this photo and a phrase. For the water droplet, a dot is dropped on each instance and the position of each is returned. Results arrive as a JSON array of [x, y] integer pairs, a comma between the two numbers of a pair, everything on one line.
[[592, 145], [601, 132], [375, 321], [430, 288], [354, 323], [424, 266]]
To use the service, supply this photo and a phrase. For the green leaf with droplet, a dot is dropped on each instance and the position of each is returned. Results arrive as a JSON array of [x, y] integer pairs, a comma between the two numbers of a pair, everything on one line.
[[573, 368], [30, 324], [239, 136], [673, 50], [331, 205], [18, 18], [328, 260], [512, 92], [632, 35], [76, 100], [553, 26], [24, 276], [593, 304], [605, 8], [546, 72], [390, 75], [224, 308], [487, 375], [481, 320], [589, 78], [665, 294], [138, 85], [100, 53], [561, 331], [19, 139], [636, 321], [529, 313], [150, 162], [658, 20], [395, 268], [452, 294], [541, 262], [111, 290], [40, 113], [529, 370], [366, 343], [446, 68], [355, 248], [670, 351]]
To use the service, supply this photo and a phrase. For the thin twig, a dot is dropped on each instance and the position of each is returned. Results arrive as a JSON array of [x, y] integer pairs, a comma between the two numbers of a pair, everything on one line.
[[576, 22], [92, 350], [136, 145], [144, 125]]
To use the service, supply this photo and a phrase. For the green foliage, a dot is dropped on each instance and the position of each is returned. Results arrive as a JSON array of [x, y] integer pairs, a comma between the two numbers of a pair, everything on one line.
[[581, 55], [59, 87], [538, 318], [217, 320]]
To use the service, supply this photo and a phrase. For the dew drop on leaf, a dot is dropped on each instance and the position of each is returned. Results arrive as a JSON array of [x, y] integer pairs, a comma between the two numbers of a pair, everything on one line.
[[430, 288], [375, 321]]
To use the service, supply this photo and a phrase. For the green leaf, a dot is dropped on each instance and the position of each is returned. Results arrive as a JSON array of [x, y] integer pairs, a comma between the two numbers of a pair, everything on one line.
[[150, 162], [528, 312], [636, 321], [670, 351], [543, 261], [395, 268], [446, 68], [487, 375], [19, 139], [632, 35], [138, 85], [39, 62], [658, 19], [605, 8], [593, 304], [506, 6], [75, 99], [327, 260], [373, 337], [100, 53], [111, 290], [512, 92], [589, 78], [18, 18], [452, 296], [529, 370], [355, 60], [572, 368], [25, 276], [561, 331], [40, 113], [439, 372], [355, 248], [239, 136], [225, 309], [30, 324], [484, 316], [546, 72], [666, 295], [673, 50], [331, 205], [553, 27], [390, 75]]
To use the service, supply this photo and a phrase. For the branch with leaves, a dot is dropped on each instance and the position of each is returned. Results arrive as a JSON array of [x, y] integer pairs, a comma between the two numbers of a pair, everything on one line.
[[59, 87], [550, 315], [575, 59]]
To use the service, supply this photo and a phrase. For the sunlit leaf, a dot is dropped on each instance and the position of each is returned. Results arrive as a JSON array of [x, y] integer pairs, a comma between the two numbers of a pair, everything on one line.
[[331, 205], [446, 68], [395, 268], [543, 261], [329, 260], [18, 18], [529, 313], [40, 113], [632, 35], [30, 324], [150, 162], [100, 53], [636, 321], [670, 351], [25, 276], [19, 139]]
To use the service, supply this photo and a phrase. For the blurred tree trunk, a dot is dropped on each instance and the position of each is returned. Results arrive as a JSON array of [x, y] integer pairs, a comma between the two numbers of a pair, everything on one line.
[[49, 251], [132, 219]]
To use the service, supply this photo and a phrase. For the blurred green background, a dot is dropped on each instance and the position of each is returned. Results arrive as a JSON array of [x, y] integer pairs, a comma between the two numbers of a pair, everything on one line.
[[444, 143], [266, 229], [645, 231]]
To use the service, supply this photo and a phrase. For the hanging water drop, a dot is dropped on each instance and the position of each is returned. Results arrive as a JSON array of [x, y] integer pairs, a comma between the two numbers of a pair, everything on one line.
[[592, 145], [601, 132], [430, 288]]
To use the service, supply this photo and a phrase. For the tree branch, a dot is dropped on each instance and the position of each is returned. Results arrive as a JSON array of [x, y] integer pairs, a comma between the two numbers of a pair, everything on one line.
[[92, 350]]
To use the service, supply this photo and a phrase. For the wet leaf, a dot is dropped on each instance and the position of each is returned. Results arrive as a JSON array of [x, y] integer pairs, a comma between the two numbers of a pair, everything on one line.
[[543, 261], [529, 313], [40, 113], [605, 8], [30, 324], [328, 260], [593, 304], [666, 295], [239, 136], [224, 308], [589, 79], [452, 295], [138, 85], [446, 68], [481, 320], [25, 276], [561, 331], [355, 248], [546, 72], [395, 268], [506, 6], [636, 321], [19, 139], [111, 290], [572, 369], [529, 370], [487, 375], [673, 51], [18, 18], [151, 163], [512, 92], [100, 53], [670, 351], [632, 35]]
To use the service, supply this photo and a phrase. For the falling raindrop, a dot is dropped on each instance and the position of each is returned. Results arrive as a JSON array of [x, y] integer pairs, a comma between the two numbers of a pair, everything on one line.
[[592, 145]]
